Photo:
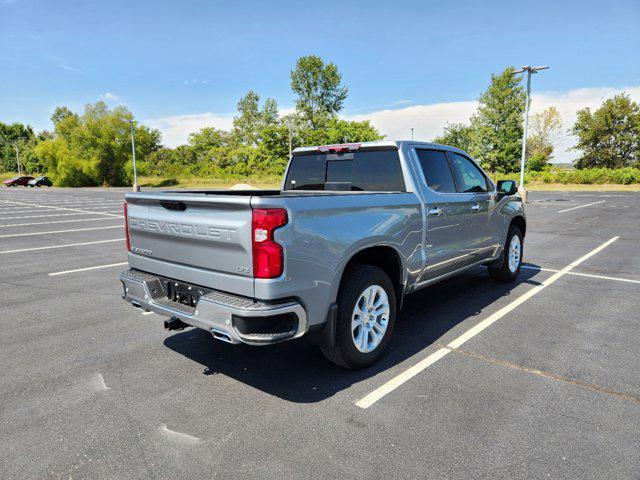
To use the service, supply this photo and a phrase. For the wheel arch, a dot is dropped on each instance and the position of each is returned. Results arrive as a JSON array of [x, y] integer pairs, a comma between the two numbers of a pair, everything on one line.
[[520, 222], [387, 259]]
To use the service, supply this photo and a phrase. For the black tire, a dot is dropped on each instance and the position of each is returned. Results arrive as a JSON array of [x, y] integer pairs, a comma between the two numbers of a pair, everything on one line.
[[357, 280], [500, 270]]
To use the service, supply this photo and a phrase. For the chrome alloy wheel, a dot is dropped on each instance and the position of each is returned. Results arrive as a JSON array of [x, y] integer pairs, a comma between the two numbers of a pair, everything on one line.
[[370, 318], [514, 253]]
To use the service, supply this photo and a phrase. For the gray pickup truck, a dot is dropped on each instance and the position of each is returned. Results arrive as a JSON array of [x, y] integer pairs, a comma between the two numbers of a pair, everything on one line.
[[330, 255]]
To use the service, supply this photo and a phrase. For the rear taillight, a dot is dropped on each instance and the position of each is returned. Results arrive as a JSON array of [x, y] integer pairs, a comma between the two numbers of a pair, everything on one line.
[[267, 254], [126, 225]]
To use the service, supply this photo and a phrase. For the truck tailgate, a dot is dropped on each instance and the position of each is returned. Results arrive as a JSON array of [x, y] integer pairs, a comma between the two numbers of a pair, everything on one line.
[[201, 238]]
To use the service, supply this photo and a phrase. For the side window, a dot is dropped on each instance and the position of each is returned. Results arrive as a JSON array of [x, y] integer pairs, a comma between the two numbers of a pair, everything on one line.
[[468, 177], [377, 171], [437, 171]]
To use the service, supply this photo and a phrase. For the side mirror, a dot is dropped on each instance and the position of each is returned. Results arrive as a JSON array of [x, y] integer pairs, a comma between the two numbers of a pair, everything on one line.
[[507, 187]]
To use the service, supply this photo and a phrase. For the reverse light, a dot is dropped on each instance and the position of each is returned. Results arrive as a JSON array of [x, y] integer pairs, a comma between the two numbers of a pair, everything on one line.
[[126, 226], [343, 147], [267, 254]]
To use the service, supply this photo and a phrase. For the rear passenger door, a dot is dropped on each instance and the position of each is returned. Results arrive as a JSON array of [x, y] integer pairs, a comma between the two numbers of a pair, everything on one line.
[[447, 246], [481, 228]]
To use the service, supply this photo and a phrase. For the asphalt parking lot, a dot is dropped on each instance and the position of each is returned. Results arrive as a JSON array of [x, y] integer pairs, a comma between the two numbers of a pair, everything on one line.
[[535, 379]]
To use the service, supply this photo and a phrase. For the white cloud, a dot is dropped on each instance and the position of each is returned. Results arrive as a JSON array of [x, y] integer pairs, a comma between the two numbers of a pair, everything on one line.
[[70, 68], [283, 112], [62, 63], [110, 97], [428, 121], [195, 81], [175, 130]]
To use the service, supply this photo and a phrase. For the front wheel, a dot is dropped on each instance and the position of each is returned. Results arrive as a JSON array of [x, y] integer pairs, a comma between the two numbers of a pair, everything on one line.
[[508, 268], [366, 316]]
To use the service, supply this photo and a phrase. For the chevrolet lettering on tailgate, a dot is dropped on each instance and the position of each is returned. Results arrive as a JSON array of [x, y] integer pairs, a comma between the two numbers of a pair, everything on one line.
[[183, 229]]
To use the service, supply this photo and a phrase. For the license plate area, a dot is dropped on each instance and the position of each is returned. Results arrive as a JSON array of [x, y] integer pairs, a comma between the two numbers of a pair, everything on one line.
[[183, 293]]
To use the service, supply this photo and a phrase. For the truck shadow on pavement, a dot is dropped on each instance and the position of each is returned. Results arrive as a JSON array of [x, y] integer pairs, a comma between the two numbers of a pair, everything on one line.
[[297, 371]]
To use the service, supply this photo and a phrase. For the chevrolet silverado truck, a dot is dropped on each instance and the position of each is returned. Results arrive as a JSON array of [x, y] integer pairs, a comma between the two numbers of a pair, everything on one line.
[[353, 229]]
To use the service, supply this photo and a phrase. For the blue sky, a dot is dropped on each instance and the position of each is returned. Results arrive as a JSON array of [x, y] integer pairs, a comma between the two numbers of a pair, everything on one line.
[[190, 61]]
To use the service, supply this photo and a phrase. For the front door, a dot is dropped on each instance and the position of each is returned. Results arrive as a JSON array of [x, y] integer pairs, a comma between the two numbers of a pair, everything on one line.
[[447, 246], [482, 230]]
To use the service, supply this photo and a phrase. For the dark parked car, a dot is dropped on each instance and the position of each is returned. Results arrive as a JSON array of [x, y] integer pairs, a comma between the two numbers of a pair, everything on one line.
[[15, 181], [40, 182]]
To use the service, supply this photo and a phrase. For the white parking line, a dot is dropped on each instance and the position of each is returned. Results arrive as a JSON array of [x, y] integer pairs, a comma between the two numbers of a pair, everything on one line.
[[54, 274], [400, 379], [81, 202], [590, 275], [43, 208], [108, 219], [61, 246], [581, 206], [58, 208], [31, 210], [53, 215], [80, 205], [59, 231]]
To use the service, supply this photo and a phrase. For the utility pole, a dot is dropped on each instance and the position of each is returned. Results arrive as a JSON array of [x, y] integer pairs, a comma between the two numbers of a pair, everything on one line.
[[411, 133], [530, 71], [290, 136], [136, 188]]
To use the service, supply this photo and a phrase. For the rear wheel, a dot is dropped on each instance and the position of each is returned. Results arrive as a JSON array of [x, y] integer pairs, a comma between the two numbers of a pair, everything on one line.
[[511, 262], [366, 317]]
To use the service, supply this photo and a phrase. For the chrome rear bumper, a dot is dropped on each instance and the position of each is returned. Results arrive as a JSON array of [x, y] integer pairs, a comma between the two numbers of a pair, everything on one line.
[[222, 314]]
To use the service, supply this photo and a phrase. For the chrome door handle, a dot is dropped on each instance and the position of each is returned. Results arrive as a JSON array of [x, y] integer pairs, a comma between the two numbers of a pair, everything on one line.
[[435, 211], [475, 207]]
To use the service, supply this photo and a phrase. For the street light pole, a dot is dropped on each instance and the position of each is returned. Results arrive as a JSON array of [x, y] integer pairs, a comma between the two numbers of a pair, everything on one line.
[[411, 133], [530, 71], [136, 188], [290, 136]]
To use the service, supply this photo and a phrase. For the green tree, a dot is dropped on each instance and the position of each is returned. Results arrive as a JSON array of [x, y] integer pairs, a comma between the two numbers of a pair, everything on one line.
[[318, 88], [546, 127], [497, 125], [273, 152], [17, 139], [31, 162], [457, 135], [342, 131], [610, 136], [95, 148], [59, 114], [248, 125], [204, 140]]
